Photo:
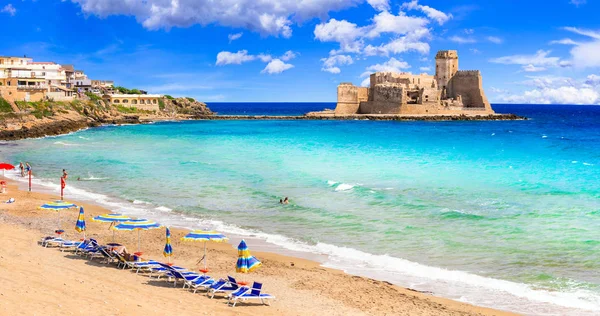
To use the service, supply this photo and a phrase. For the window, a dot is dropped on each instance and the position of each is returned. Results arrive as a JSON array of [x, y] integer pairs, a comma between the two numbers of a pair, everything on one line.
[[141, 101], [133, 101], [115, 101], [154, 101], [125, 101]]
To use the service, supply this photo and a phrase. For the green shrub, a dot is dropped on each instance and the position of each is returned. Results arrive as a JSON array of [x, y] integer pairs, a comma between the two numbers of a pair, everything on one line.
[[126, 109], [191, 99], [93, 96], [5, 106], [161, 104], [169, 97]]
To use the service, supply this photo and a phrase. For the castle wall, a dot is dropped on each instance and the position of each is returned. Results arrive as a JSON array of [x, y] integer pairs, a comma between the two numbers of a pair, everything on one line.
[[349, 98], [468, 84], [446, 65]]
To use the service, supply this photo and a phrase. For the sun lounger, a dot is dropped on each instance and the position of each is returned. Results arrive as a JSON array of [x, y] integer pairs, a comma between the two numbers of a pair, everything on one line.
[[66, 245], [104, 253], [245, 293], [162, 269], [229, 285], [185, 276], [49, 240], [202, 282]]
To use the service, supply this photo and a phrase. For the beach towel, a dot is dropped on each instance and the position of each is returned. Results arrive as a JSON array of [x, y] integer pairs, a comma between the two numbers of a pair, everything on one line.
[[11, 200]]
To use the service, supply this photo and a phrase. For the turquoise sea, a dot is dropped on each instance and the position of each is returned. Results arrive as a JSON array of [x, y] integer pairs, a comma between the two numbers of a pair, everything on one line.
[[499, 214]]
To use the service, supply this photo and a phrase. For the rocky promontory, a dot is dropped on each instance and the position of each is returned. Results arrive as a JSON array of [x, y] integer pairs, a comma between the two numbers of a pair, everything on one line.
[[21, 120]]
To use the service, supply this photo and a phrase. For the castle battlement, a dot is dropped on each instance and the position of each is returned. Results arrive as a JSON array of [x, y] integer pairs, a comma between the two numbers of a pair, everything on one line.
[[446, 54], [467, 72]]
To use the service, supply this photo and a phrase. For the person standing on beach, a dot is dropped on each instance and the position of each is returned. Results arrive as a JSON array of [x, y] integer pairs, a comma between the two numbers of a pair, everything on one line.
[[65, 174], [22, 169], [27, 167]]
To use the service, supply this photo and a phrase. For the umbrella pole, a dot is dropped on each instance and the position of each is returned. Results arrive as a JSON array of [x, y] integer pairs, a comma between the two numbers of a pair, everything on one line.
[[138, 240], [205, 258]]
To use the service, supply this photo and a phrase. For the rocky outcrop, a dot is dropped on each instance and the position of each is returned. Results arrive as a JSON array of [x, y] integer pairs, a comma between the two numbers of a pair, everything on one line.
[[187, 106]]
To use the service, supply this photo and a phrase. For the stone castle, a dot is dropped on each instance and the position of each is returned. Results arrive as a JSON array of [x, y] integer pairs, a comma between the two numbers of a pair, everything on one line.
[[450, 91]]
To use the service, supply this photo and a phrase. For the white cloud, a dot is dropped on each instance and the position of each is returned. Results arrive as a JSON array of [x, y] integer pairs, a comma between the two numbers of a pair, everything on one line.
[[366, 82], [392, 65], [462, 40], [379, 5], [469, 31], [410, 42], [430, 12], [228, 58], [497, 90], [343, 32], [9, 9], [265, 58], [268, 17], [577, 3], [561, 95], [565, 41], [425, 69], [276, 66], [233, 37], [495, 40], [287, 56], [475, 51], [386, 22], [330, 63], [532, 68], [557, 90], [584, 32], [540, 58]]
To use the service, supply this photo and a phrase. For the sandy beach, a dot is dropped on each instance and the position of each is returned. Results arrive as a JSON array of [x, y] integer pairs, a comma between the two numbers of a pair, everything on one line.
[[39, 280]]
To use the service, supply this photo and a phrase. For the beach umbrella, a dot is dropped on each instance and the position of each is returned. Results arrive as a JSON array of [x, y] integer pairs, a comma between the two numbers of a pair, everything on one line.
[[6, 166], [57, 206], [246, 263], [112, 218], [139, 225], [168, 251], [80, 225], [205, 236]]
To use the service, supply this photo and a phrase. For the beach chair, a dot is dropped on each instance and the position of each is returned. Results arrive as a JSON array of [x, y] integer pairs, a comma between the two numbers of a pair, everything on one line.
[[181, 275], [70, 245], [229, 285], [201, 282], [49, 240], [103, 253], [90, 249], [245, 293], [163, 269]]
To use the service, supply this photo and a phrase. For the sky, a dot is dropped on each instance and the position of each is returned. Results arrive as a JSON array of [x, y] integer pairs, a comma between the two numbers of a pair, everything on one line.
[[300, 50]]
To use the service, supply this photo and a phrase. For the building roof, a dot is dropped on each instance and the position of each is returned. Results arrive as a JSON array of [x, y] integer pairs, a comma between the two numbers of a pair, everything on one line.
[[61, 88], [68, 68], [136, 96], [42, 63]]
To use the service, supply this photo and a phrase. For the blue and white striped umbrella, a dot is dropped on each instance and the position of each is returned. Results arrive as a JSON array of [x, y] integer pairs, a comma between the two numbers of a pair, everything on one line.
[[137, 224], [113, 219], [201, 235], [246, 263], [80, 225], [57, 206], [168, 251]]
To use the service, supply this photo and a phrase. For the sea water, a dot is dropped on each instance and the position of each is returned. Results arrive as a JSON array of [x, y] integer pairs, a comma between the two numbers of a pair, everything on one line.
[[501, 214]]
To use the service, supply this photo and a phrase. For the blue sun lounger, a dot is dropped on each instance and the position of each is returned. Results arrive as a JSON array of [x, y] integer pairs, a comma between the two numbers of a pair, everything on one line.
[[202, 282], [245, 293], [185, 276], [222, 286]]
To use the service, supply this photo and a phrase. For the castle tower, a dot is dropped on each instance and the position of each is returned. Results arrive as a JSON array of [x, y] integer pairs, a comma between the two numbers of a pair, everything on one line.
[[446, 65]]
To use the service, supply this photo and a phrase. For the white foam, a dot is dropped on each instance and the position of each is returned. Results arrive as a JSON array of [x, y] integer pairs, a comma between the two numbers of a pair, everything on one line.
[[163, 209], [66, 144], [331, 183], [588, 164], [344, 187], [140, 202], [544, 136]]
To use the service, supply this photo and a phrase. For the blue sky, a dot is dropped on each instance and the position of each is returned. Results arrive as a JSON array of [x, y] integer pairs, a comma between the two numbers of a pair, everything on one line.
[[300, 50]]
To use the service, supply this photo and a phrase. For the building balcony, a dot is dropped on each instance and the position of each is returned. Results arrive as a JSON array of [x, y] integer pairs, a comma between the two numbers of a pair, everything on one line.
[[32, 87]]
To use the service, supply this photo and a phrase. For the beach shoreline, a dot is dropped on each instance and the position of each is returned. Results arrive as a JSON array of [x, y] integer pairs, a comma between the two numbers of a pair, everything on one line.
[[290, 279]]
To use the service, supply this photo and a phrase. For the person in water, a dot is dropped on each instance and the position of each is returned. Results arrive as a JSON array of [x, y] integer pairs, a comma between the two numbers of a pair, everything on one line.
[[22, 169], [280, 201], [65, 174], [27, 167], [285, 201]]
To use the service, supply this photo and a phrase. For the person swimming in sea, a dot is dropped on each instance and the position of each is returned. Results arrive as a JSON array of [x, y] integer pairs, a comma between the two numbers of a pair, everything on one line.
[[280, 201], [65, 174], [286, 201]]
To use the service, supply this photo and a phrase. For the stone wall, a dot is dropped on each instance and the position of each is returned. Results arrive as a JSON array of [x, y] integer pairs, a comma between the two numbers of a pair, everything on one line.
[[11, 94], [349, 98], [58, 96], [468, 85]]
